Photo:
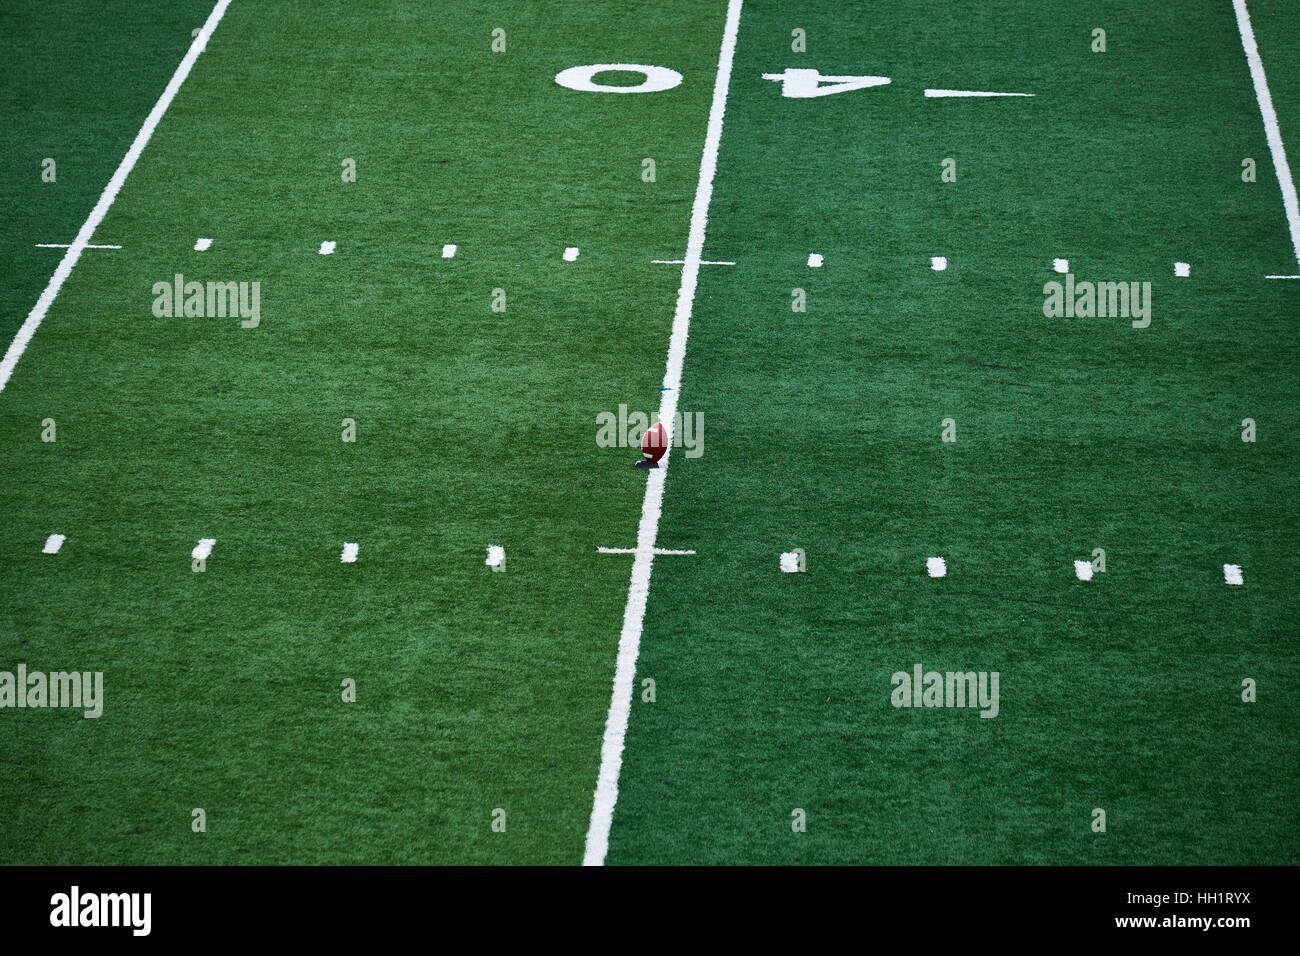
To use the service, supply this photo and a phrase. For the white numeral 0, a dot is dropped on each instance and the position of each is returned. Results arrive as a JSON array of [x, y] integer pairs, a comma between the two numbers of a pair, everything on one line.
[[657, 78]]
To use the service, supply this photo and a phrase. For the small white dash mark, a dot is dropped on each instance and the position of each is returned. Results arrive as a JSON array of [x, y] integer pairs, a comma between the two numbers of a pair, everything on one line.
[[938, 263], [1083, 570], [570, 253], [941, 93], [815, 260], [203, 549], [202, 245], [1182, 270], [449, 251], [327, 247], [1232, 574], [682, 262], [496, 556], [936, 567], [64, 245], [53, 543], [350, 549], [790, 562], [1061, 265]]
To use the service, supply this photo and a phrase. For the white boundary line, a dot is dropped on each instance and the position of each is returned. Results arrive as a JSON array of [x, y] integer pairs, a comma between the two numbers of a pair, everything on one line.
[[1271, 130], [82, 241], [638, 591]]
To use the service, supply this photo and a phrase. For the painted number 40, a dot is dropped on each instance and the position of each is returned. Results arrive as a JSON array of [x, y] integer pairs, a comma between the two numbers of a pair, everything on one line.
[[795, 84]]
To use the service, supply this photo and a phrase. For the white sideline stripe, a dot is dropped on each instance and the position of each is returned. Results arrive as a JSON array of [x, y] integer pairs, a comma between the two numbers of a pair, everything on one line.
[[203, 549], [1280, 165], [202, 245], [350, 550], [1083, 570], [1232, 574], [936, 567], [938, 93], [87, 231], [638, 591], [68, 245], [1282, 277], [53, 543], [496, 555], [449, 251], [571, 254], [682, 262], [633, 551]]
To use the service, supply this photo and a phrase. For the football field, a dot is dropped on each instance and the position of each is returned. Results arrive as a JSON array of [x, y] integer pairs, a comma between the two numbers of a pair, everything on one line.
[[977, 543]]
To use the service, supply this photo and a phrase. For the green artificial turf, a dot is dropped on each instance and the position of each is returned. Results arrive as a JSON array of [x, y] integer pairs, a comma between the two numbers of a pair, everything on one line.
[[824, 433], [475, 690], [479, 691]]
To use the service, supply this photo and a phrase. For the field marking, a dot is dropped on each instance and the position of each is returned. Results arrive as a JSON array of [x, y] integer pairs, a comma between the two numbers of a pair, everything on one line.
[[815, 260], [496, 556], [68, 245], [349, 555], [658, 551], [1182, 270], [938, 263], [327, 247], [87, 231], [936, 567], [449, 251], [53, 543], [790, 562], [1271, 130], [1282, 277], [202, 245], [682, 262], [203, 550], [638, 591], [1061, 265], [1083, 570], [934, 94], [1232, 574], [571, 254]]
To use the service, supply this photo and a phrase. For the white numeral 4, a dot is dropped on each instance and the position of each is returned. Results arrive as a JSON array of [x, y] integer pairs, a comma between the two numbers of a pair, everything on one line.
[[803, 84]]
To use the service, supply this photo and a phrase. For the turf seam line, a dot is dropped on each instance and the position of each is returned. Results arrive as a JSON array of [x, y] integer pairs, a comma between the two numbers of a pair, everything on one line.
[[638, 591], [1271, 130], [87, 231]]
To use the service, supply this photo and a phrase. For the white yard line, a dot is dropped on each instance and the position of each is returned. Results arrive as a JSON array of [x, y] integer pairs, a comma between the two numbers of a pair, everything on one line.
[[1271, 130], [82, 241], [629, 644]]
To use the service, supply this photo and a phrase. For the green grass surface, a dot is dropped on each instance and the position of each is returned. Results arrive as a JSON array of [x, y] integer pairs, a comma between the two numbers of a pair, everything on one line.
[[479, 690], [1071, 434]]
